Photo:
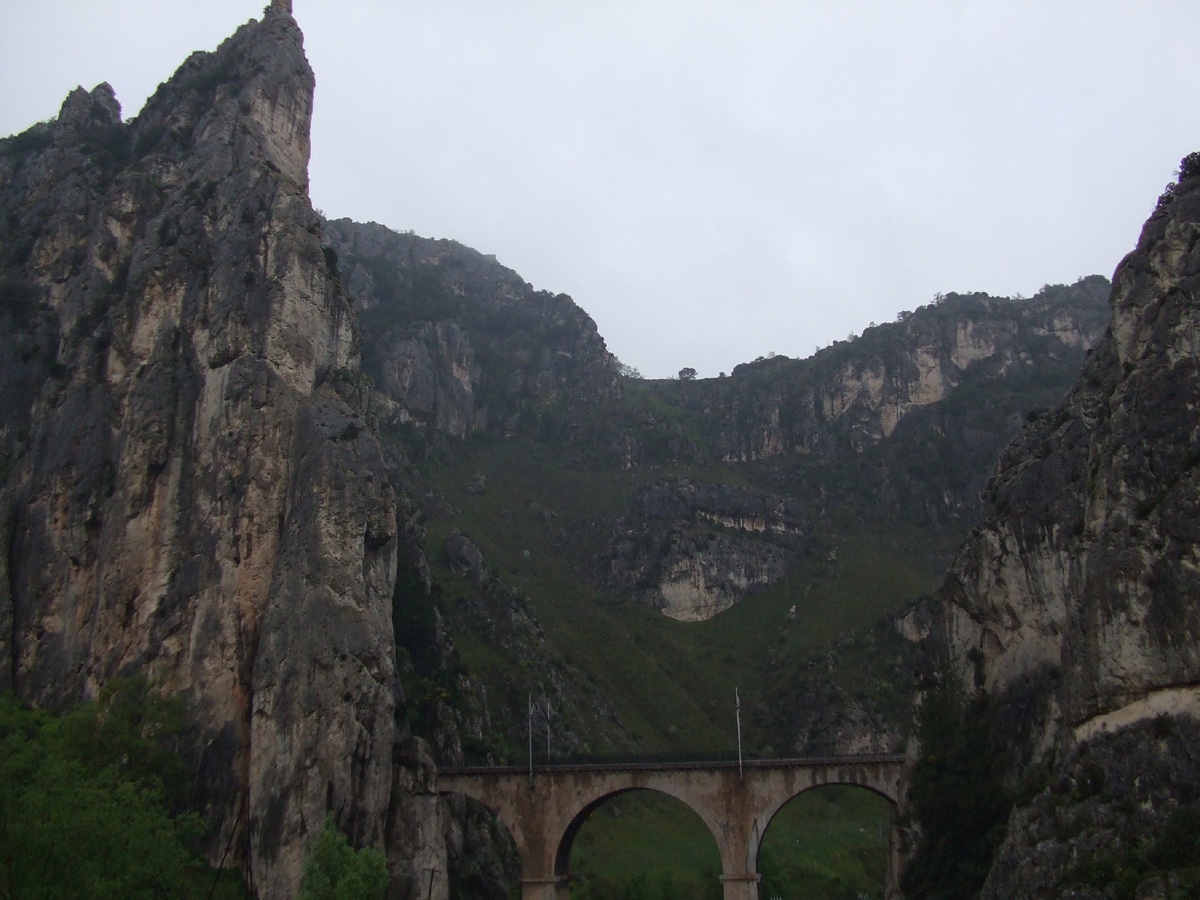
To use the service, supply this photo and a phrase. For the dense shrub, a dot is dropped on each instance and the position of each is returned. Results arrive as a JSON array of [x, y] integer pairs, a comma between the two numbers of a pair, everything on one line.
[[958, 797], [92, 801], [335, 871]]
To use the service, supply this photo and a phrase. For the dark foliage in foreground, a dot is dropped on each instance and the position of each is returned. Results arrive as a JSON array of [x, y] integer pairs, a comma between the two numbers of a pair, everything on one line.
[[93, 801]]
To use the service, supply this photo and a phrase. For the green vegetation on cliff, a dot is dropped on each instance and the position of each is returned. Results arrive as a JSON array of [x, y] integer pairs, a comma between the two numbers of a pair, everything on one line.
[[94, 802], [669, 683], [959, 797], [792, 511], [336, 871]]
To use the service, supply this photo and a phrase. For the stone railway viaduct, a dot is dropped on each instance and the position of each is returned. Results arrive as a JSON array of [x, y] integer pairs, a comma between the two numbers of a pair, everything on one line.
[[544, 808]]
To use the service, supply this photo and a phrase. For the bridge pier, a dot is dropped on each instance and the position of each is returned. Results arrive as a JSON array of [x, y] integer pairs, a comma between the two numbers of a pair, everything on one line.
[[740, 887], [552, 888]]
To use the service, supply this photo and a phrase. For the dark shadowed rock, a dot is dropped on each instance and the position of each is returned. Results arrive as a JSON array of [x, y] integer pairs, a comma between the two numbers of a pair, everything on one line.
[[455, 341], [464, 557]]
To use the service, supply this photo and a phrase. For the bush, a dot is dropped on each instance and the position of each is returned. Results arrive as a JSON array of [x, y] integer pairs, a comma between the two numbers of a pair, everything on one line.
[[1189, 166], [18, 299], [1178, 847], [335, 871], [91, 802], [958, 796]]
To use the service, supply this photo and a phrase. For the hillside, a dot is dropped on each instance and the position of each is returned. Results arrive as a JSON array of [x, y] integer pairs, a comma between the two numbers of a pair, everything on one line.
[[556, 536], [563, 509]]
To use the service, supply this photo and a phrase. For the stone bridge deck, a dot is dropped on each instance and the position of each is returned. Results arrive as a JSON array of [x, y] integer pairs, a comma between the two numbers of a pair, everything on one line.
[[544, 808]]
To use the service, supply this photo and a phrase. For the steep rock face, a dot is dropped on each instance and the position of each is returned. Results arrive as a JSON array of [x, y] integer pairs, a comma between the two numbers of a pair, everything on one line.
[[857, 392], [899, 425], [928, 402], [903, 422], [193, 488], [699, 548], [1073, 605], [416, 826], [456, 341], [430, 378]]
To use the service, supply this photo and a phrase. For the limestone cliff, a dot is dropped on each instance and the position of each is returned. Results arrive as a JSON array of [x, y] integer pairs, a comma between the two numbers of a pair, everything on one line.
[[857, 392], [1072, 608], [903, 422], [695, 549], [193, 488], [457, 342], [900, 425], [193, 485]]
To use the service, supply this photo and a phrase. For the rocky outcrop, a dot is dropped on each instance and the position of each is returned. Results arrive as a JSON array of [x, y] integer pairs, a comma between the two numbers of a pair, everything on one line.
[[693, 574], [456, 342], [429, 377], [853, 696], [1084, 565], [193, 487], [905, 421], [831, 722], [694, 549], [730, 506], [861, 389], [464, 557], [1073, 605], [899, 426], [416, 826], [1139, 782]]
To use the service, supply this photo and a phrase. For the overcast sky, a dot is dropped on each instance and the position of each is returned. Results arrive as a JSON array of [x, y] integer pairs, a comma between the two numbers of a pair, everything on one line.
[[711, 181]]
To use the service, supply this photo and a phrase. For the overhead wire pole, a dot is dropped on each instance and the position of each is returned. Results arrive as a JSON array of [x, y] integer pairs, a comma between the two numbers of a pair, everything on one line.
[[737, 705], [531, 740]]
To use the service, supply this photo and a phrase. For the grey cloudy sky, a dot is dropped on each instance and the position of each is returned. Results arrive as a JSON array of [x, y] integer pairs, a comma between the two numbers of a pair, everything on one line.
[[712, 181]]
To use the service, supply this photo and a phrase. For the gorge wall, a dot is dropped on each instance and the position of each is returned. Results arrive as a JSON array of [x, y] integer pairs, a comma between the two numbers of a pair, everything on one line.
[[456, 342], [859, 391], [701, 494], [1071, 610], [900, 424], [903, 422], [193, 489]]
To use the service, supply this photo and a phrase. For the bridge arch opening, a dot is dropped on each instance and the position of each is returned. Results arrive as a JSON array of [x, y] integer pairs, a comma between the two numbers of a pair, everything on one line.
[[639, 842], [830, 841]]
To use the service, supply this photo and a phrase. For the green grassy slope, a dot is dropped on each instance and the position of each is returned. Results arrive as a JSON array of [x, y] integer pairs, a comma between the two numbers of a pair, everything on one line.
[[542, 521], [671, 683], [644, 843]]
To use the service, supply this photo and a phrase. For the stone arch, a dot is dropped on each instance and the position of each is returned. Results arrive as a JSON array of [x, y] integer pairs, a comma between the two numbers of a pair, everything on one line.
[[565, 838], [763, 821], [780, 801]]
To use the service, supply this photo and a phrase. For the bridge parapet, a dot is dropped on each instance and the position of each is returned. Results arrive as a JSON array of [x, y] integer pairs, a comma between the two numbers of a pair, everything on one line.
[[646, 765]]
